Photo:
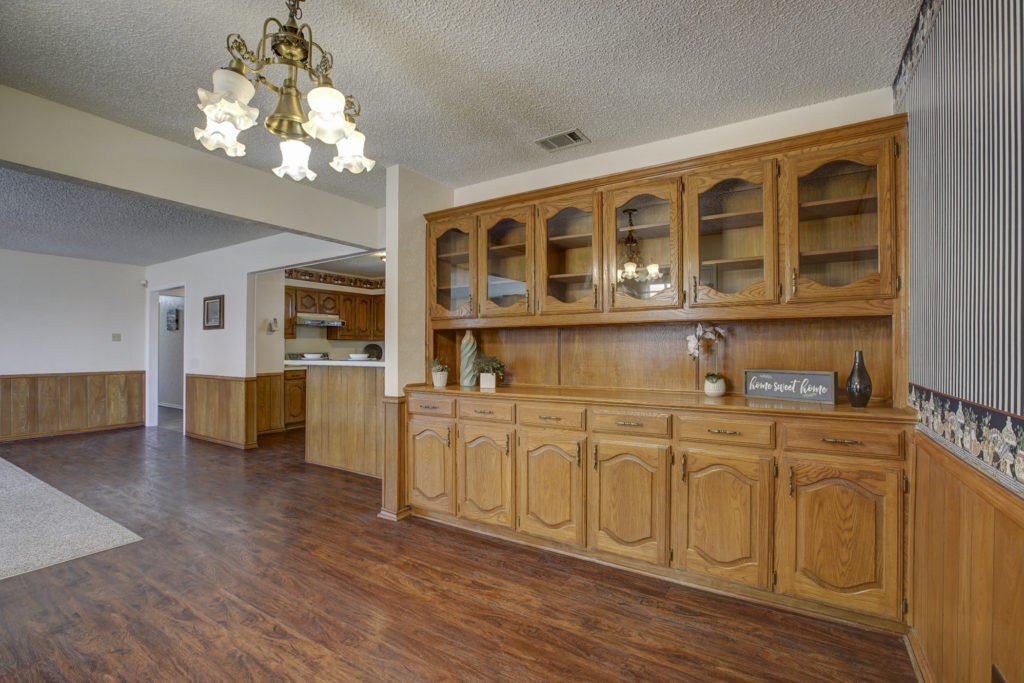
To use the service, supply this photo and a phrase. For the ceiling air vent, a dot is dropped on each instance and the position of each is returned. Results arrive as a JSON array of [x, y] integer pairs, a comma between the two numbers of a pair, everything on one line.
[[570, 138]]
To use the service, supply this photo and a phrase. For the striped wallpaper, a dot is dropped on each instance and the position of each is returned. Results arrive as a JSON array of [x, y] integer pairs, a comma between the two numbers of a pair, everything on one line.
[[960, 84]]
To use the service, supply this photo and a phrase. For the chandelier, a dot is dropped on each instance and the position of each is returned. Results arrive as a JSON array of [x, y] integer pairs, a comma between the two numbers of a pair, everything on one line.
[[632, 265], [331, 117]]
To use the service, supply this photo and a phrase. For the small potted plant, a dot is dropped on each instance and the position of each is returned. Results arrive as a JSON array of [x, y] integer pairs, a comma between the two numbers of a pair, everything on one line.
[[491, 369], [439, 372], [707, 337]]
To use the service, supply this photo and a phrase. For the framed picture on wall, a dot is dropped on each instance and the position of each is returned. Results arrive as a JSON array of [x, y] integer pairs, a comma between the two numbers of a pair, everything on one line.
[[213, 312], [173, 319]]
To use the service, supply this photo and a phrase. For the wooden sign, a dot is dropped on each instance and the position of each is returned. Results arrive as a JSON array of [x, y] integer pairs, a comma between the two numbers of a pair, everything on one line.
[[791, 385]]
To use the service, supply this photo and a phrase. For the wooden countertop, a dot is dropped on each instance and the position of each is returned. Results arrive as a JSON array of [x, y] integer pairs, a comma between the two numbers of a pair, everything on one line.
[[675, 400]]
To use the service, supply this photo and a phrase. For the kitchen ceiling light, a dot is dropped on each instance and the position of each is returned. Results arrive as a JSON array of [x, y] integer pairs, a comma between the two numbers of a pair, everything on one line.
[[332, 114]]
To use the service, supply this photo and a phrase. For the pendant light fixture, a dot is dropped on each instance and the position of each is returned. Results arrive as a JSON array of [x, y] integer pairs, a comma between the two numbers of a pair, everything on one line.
[[331, 117]]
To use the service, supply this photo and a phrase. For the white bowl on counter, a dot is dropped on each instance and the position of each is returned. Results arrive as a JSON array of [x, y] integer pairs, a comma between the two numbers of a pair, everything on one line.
[[312, 356], [358, 356]]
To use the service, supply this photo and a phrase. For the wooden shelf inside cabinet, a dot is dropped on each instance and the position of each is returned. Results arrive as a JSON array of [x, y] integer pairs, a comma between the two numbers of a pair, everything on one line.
[[730, 221], [647, 230], [569, 277], [571, 241], [843, 206], [454, 257], [739, 262], [835, 255], [516, 249], [454, 288]]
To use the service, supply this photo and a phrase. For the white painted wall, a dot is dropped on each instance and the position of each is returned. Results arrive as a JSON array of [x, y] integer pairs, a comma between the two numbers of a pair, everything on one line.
[[846, 110], [171, 349], [268, 305], [57, 315], [77, 143], [409, 196]]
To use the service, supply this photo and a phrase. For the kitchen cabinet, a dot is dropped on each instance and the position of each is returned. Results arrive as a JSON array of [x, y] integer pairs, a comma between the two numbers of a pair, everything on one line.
[[484, 473], [289, 313], [294, 398], [431, 466], [629, 499], [837, 211], [550, 484], [451, 277], [840, 532], [377, 315], [327, 303], [722, 514], [731, 237], [505, 262], [569, 257], [358, 312], [642, 244], [307, 301]]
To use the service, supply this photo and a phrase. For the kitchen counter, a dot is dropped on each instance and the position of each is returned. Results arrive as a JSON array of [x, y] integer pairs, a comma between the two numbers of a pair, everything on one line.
[[358, 363]]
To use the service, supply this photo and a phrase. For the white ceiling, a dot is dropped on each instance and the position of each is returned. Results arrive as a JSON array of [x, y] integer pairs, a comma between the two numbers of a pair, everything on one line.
[[366, 264], [458, 90]]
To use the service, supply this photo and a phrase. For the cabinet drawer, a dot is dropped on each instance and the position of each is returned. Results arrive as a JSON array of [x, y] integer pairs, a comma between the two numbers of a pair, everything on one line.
[[493, 411], [726, 430], [295, 374], [551, 415], [432, 405], [647, 423], [879, 441]]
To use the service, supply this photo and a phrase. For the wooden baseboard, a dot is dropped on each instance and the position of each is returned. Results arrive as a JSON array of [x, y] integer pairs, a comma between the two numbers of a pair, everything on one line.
[[917, 658], [35, 406], [395, 516]]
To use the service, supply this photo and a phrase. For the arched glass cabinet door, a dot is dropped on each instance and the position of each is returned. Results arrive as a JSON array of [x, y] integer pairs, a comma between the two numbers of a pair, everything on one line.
[[731, 237], [505, 263], [838, 220], [642, 235], [451, 275], [569, 256]]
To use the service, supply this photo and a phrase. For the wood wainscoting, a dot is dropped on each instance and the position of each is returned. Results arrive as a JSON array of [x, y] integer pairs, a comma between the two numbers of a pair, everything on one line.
[[968, 602], [46, 405], [221, 409], [345, 418], [269, 402]]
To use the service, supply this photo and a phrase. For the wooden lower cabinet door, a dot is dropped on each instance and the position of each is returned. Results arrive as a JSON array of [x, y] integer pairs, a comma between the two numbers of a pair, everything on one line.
[[431, 473], [839, 535], [550, 485], [294, 400], [722, 515], [484, 474], [629, 499]]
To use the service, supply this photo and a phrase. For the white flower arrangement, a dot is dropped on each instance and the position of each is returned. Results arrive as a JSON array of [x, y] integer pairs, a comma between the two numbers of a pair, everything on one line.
[[706, 336]]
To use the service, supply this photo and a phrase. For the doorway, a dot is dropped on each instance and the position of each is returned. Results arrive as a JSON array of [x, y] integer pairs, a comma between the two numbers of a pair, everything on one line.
[[171, 360]]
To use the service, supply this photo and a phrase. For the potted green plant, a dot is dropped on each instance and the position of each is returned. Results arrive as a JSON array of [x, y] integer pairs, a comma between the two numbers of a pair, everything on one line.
[[490, 369], [439, 372]]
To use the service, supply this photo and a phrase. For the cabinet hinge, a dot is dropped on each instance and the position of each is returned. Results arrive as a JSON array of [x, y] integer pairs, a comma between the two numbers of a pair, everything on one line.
[[671, 554], [519, 439], [906, 484], [780, 290], [519, 520], [906, 606], [578, 449], [673, 458], [684, 296], [778, 171], [899, 283], [897, 150], [775, 469], [775, 578]]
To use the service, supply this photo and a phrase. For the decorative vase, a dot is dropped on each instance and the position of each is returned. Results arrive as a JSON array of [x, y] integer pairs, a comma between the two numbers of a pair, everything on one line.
[[440, 378], [488, 380], [467, 356], [714, 388], [858, 385]]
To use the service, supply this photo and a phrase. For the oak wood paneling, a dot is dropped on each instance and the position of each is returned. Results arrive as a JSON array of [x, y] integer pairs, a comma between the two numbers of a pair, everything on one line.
[[393, 485], [269, 402], [45, 405], [530, 355], [345, 418], [649, 356], [221, 409]]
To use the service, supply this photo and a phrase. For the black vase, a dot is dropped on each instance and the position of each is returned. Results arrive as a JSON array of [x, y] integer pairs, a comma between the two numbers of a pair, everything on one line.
[[858, 384]]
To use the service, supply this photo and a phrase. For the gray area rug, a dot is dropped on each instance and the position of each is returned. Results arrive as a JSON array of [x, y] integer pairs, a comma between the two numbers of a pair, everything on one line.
[[40, 526]]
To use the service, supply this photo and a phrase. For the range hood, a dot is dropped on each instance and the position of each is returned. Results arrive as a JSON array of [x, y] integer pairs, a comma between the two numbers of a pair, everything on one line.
[[318, 320]]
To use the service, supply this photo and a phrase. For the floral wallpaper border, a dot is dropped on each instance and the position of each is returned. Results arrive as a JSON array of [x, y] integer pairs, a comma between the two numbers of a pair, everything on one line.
[[989, 439], [915, 46], [304, 275]]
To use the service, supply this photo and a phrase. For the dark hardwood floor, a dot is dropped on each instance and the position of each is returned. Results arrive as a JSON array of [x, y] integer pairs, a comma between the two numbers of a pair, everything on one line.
[[257, 566]]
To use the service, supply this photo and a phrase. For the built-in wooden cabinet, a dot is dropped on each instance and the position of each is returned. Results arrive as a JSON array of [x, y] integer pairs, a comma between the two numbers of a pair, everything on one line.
[[307, 301], [451, 276], [642, 245], [569, 255], [289, 312], [837, 215], [431, 465], [294, 398], [731, 234], [840, 532], [484, 473], [629, 498], [357, 312], [377, 316], [362, 313], [550, 480], [505, 262]]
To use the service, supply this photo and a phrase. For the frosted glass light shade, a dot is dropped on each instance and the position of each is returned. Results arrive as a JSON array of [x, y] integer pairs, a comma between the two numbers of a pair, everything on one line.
[[350, 154], [295, 161], [653, 271], [220, 135], [229, 100], [327, 121], [629, 270]]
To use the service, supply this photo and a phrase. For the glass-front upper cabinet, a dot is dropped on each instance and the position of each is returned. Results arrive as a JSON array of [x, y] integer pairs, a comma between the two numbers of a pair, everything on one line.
[[838, 222], [731, 234], [505, 261], [450, 269], [568, 257], [642, 233]]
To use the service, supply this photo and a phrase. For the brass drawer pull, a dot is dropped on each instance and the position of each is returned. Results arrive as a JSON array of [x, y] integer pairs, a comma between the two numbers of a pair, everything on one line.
[[426, 407], [722, 431], [550, 417], [484, 412], [623, 423], [845, 442]]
